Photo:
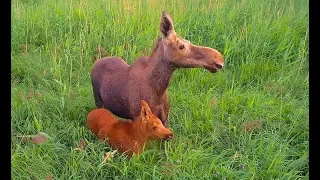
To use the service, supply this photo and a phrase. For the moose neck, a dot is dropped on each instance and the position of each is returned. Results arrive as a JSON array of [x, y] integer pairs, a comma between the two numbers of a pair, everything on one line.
[[161, 69]]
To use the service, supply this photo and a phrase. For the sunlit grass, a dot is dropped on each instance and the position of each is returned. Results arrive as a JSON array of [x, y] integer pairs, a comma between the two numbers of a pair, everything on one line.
[[249, 121]]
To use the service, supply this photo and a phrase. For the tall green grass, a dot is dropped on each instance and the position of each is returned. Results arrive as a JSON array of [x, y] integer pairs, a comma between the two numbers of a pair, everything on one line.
[[263, 88]]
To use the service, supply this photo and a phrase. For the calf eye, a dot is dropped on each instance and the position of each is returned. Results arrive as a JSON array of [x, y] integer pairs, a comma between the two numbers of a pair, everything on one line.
[[181, 47], [154, 128]]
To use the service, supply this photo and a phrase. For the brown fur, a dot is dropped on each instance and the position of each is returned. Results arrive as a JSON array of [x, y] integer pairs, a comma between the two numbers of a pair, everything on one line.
[[127, 136], [119, 87]]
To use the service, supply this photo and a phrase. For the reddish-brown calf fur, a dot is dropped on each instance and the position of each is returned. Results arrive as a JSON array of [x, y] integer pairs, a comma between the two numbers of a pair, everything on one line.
[[127, 136], [119, 87]]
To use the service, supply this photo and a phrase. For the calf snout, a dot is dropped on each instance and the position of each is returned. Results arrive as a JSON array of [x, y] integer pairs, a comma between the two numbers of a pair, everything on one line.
[[168, 137]]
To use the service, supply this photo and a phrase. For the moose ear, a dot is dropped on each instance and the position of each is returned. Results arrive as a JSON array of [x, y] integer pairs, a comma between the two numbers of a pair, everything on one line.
[[145, 110], [166, 25]]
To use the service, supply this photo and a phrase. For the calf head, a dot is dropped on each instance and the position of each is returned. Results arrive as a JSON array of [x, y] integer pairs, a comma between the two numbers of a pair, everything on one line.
[[152, 124]]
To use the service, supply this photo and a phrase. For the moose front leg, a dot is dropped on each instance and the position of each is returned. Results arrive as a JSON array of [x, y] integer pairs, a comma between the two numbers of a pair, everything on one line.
[[165, 110], [164, 118], [160, 112]]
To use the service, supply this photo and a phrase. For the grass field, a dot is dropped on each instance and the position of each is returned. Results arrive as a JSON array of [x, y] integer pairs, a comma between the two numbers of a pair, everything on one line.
[[249, 121]]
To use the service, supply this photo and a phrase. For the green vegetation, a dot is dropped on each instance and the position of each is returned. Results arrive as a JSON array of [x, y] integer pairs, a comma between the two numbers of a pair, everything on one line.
[[249, 121]]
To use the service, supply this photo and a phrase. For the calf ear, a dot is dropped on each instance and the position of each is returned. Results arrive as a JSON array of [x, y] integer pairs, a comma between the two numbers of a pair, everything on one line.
[[166, 25], [145, 110], [145, 105]]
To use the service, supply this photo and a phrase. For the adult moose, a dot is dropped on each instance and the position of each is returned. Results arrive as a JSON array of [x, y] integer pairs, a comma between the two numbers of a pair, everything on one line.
[[119, 87]]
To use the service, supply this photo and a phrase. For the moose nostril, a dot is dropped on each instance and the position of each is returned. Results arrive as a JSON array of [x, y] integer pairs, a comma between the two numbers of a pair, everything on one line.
[[218, 65]]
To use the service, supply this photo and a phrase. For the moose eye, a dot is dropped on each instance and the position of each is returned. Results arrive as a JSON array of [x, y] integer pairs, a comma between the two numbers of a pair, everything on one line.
[[181, 47], [154, 127]]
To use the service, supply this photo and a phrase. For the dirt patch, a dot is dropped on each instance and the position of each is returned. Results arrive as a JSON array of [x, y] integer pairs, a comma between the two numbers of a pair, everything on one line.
[[274, 87], [250, 126], [213, 102]]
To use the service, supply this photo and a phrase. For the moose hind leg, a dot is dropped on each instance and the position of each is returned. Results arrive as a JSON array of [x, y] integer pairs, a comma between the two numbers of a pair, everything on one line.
[[97, 97], [98, 100]]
